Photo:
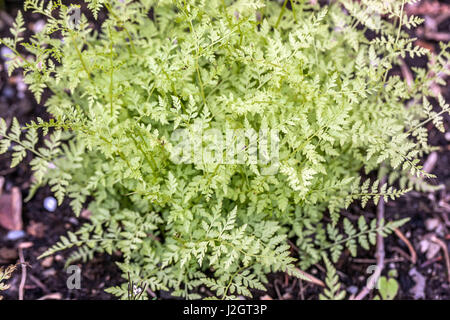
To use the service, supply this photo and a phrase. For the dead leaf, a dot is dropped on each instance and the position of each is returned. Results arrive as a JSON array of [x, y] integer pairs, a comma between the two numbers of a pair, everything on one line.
[[447, 136], [11, 210], [432, 224], [429, 164], [86, 214], [47, 262], [52, 296], [429, 247], [36, 229], [418, 290], [431, 8], [25, 245], [287, 296], [425, 44], [49, 273]]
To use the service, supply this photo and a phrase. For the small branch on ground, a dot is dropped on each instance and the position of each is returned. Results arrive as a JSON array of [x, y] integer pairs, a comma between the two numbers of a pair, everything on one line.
[[23, 265], [52, 296], [413, 254], [24, 274], [429, 262], [372, 261], [311, 278], [443, 246], [277, 290], [431, 161], [37, 282]]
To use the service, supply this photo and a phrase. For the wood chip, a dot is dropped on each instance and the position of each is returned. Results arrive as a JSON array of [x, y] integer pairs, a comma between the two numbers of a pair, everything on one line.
[[11, 210], [431, 8], [52, 296], [25, 245], [430, 163], [425, 44], [444, 248], [86, 214], [47, 262]]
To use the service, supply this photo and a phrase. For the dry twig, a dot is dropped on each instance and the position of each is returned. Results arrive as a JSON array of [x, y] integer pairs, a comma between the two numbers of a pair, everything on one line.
[[413, 254], [372, 261], [52, 296], [443, 246], [429, 262], [24, 274], [38, 282]]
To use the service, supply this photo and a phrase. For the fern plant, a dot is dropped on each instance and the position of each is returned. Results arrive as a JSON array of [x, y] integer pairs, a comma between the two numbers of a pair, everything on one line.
[[121, 93], [5, 274], [333, 286]]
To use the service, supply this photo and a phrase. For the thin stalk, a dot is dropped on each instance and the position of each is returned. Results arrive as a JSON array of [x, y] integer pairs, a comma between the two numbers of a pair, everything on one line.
[[400, 23], [17, 53], [293, 10], [427, 120], [281, 14], [111, 76], [121, 24], [80, 56]]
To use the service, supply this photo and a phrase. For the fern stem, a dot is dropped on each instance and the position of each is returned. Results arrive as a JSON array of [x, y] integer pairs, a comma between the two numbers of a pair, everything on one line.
[[400, 22], [37, 153], [111, 77], [17, 53], [121, 24], [231, 281], [151, 161], [281, 14], [80, 56], [202, 90], [427, 120]]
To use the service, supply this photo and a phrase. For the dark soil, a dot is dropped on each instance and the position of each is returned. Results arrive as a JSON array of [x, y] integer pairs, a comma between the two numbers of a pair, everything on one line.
[[44, 228]]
